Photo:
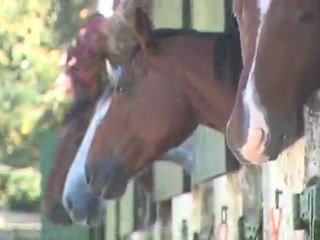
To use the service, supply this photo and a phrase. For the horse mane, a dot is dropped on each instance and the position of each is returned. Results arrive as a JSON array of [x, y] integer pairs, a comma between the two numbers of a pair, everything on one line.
[[227, 49]]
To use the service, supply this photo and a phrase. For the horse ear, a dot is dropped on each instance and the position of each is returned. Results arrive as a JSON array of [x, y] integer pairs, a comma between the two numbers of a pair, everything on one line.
[[143, 28]]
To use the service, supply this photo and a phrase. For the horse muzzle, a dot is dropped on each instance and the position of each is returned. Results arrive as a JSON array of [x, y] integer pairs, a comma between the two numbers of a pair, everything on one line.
[[107, 178], [83, 206]]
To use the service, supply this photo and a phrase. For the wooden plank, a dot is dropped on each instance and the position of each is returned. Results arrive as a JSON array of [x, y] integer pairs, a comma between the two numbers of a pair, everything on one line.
[[144, 234], [111, 222], [182, 220], [292, 171], [168, 181], [227, 193], [286, 174], [210, 199], [50, 231], [251, 187], [167, 14], [211, 156], [203, 209], [163, 226], [127, 211], [312, 134], [207, 15]]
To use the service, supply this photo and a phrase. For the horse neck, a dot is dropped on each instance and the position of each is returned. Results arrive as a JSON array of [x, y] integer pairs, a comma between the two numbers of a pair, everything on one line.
[[212, 94], [212, 105]]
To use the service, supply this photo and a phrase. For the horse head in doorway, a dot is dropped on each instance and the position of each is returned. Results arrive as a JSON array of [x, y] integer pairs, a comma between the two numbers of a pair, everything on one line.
[[281, 45], [161, 97]]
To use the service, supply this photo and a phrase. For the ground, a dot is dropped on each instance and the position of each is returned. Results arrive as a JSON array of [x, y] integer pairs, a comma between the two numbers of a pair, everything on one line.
[[19, 225]]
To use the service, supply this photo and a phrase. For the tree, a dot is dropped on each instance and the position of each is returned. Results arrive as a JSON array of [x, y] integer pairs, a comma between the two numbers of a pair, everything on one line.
[[31, 35]]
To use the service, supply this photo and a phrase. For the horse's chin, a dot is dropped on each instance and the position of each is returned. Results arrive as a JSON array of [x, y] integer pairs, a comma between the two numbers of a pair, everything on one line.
[[58, 215], [112, 192], [92, 216]]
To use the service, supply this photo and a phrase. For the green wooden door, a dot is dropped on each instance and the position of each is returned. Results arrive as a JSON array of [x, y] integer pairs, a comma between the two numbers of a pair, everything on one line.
[[167, 14], [208, 15], [212, 156], [111, 221], [127, 211], [49, 231], [168, 181], [120, 215]]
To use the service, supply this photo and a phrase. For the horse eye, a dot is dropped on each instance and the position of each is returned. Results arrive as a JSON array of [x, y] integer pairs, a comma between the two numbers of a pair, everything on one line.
[[121, 89]]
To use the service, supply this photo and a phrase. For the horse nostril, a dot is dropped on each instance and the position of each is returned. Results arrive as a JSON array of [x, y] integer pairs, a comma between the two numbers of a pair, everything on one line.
[[87, 173], [262, 137], [69, 203], [240, 158]]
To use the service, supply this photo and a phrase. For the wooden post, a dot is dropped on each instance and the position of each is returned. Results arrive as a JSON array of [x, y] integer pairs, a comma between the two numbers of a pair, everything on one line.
[[227, 206], [283, 177], [251, 183], [163, 225], [312, 133]]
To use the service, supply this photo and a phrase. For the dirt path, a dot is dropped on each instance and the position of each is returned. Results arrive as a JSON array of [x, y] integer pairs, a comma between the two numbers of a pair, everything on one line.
[[19, 220]]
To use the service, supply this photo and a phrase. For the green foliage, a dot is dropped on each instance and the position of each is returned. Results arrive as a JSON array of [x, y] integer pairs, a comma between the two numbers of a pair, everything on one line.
[[69, 16], [4, 178], [28, 67], [20, 189], [29, 64]]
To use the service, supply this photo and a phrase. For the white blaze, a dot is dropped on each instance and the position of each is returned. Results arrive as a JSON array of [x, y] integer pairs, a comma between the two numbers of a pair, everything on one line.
[[264, 6], [114, 73], [251, 102], [76, 172]]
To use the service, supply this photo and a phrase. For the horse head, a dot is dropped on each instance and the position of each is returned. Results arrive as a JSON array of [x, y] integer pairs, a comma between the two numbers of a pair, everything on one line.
[[85, 68], [279, 76], [161, 97]]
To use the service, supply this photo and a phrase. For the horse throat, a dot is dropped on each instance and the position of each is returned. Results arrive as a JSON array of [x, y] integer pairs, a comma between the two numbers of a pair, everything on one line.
[[212, 100]]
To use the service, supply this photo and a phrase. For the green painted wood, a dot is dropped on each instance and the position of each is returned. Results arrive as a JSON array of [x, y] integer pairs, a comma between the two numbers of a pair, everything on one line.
[[167, 13], [111, 222], [208, 15], [127, 211], [168, 181], [212, 156], [50, 231]]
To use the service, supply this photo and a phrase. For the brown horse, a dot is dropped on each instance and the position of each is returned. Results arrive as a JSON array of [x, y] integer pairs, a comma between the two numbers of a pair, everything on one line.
[[173, 81], [282, 41], [79, 201], [86, 77], [98, 39], [85, 67]]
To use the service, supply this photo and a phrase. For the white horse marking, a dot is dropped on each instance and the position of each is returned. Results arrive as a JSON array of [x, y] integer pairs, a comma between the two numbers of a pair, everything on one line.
[[114, 73], [76, 174], [258, 127], [264, 6]]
